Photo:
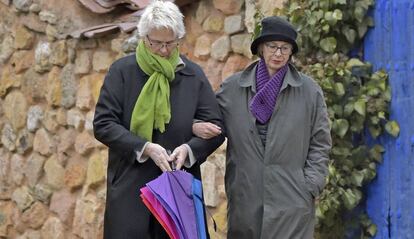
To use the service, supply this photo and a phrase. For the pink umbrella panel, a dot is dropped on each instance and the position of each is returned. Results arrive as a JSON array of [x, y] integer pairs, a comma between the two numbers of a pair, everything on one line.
[[159, 212]]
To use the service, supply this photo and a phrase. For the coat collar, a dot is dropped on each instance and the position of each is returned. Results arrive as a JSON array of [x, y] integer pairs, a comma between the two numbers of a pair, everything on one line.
[[182, 68], [248, 77]]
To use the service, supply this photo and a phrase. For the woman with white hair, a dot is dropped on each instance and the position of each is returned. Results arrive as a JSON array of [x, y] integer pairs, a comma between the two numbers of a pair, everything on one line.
[[144, 115]]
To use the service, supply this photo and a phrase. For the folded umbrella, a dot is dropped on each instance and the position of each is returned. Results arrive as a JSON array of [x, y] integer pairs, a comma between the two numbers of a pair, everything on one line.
[[175, 192]]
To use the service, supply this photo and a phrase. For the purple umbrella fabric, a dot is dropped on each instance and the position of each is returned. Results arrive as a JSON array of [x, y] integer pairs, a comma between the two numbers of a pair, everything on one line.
[[174, 191]]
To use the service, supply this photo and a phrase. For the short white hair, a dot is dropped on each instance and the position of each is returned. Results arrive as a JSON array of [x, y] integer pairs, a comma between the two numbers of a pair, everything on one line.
[[161, 14]]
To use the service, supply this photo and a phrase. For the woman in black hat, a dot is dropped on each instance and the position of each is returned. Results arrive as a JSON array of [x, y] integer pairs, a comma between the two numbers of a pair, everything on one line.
[[276, 122]]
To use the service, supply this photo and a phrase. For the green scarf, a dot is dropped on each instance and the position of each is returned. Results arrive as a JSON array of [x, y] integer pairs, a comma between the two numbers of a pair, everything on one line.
[[152, 109]]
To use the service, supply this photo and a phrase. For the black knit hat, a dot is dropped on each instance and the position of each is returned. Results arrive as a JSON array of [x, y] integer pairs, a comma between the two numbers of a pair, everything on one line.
[[276, 29]]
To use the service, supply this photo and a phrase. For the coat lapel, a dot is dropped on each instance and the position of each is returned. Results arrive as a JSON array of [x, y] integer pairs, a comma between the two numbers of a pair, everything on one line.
[[248, 82]]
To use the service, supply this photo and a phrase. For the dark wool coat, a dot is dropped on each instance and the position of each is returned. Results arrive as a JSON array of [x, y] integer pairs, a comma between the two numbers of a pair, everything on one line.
[[191, 96], [271, 188]]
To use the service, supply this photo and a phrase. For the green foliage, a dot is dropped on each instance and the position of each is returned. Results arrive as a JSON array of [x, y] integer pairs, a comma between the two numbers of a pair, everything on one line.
[[357, 100], [258, 27], [329, 26]]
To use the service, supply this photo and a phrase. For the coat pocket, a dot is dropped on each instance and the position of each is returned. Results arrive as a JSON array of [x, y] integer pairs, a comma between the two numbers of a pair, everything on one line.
[[303, 186]]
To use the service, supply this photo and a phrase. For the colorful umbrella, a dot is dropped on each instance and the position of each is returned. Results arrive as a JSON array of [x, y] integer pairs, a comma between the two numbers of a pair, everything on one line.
[[178, 194]]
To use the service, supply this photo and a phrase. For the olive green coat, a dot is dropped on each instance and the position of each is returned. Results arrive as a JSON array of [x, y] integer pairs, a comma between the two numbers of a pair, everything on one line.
[[271, 189]]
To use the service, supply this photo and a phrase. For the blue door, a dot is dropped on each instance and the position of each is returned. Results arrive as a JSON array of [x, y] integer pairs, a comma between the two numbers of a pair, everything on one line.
[[390, 46]]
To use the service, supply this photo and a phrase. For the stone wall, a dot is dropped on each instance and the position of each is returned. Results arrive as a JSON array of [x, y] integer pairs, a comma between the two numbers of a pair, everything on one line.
[[52, 170]]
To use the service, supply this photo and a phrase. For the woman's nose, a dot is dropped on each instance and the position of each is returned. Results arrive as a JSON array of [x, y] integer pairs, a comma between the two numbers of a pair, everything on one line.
[[164, 50]]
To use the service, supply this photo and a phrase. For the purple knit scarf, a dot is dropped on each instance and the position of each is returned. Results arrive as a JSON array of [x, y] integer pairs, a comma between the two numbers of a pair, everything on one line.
[[263, 103]]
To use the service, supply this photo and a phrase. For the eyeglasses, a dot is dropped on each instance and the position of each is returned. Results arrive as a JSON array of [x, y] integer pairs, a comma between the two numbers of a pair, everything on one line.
[[285, 49], [157, 45]]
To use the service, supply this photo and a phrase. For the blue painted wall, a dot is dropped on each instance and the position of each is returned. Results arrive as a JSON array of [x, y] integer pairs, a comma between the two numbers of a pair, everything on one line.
[[390, 46]]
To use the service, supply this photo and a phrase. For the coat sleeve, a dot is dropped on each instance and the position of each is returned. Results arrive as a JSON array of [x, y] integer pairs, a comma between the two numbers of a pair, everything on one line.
[[108, 120], [208, 111], [316, 166], [222, 96]]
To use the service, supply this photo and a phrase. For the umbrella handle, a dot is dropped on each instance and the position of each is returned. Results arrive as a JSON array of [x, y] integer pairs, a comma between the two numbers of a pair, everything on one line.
[[172, 164]]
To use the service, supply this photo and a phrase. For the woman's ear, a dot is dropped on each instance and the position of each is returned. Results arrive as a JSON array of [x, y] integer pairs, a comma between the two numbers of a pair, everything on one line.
[[260, 51], [291, 58]]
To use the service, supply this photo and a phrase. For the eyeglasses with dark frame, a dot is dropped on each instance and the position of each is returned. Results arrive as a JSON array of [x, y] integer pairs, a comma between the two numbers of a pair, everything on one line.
[[284, 49], [157, 45]]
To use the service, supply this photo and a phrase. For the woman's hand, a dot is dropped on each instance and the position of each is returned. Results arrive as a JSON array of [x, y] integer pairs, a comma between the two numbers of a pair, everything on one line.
[[178, 156], [159, 155], [206, 130]]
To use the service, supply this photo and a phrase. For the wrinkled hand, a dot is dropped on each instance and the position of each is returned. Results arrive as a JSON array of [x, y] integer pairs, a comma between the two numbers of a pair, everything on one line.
[[159, 155], [206, 130], [178, 156]]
